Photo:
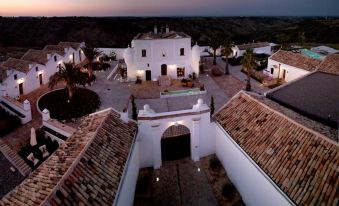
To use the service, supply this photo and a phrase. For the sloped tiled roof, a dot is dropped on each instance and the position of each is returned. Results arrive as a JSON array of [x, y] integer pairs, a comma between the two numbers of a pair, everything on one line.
[[168, 35], [54, 49], [252, 45], [296, 60], [17, 64], [303, 163], [85, 170], [74, 45], [38, 56], [3, 73], [330, 64]]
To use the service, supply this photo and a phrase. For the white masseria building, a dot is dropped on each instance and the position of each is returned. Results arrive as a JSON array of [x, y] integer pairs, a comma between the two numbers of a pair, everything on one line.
[[157, 54], [33, 69]]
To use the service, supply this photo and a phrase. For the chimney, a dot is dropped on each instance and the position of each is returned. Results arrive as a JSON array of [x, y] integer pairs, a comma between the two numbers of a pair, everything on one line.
[[167, 28], [155, 29], [124, 115]]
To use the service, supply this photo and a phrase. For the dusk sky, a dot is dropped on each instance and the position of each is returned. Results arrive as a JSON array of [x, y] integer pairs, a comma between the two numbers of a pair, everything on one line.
[[169, 7]]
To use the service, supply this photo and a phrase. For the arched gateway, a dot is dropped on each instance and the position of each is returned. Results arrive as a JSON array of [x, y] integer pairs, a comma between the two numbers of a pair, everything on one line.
[[174, 135], [176, 143]]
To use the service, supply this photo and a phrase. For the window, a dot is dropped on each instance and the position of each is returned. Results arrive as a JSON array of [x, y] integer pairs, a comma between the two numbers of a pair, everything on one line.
[[15, 76], [55, 58], [272, 70], [182, 52], [143, 53], [36, 69], [181, 72], [163, 54], [147, 65]]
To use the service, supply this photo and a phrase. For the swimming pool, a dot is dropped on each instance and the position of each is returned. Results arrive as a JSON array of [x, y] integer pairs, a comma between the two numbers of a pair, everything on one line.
[[311, 54], [177, 93]]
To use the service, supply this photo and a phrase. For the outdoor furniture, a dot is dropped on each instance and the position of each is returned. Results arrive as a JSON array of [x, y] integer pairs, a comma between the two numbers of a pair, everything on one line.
[[31, 158], [44, 151]]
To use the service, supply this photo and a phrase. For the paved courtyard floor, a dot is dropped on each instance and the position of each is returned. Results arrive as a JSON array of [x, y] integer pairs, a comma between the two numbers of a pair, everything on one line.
[[180, 183]]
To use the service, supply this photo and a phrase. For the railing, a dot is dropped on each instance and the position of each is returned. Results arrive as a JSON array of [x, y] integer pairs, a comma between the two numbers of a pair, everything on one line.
[[113, 71]]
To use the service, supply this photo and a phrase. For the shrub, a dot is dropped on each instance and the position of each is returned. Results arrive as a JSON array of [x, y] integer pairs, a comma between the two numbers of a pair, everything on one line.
[[134, 108], [228, 191], [215, 164], [83, 102], [235, 61]]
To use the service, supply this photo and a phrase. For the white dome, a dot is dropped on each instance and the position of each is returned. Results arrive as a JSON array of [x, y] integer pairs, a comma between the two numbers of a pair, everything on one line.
[[129, 55], [196, 52]]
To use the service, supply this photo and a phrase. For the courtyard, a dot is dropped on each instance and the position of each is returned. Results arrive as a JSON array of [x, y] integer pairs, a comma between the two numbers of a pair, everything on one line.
[[184, 182]]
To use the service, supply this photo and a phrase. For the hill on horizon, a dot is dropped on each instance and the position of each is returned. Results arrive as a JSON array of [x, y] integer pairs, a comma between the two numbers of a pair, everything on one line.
[[119, 31]]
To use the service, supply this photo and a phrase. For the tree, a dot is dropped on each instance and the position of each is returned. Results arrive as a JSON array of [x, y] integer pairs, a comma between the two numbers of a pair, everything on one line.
[[215, 43], [248, 63], [302, 39], [71, 75], [212, 105], [134, 108], [91, 55], [227, 51]]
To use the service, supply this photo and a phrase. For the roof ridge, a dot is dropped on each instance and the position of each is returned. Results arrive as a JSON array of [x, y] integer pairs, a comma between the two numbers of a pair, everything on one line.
[[317, 134]]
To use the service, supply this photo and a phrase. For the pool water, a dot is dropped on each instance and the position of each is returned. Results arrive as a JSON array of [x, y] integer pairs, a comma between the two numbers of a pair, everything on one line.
[[182, 91], [311, 54]]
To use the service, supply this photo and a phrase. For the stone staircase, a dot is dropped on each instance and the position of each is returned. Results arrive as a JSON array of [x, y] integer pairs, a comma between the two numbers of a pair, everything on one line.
[[15, 159], [164, 81]]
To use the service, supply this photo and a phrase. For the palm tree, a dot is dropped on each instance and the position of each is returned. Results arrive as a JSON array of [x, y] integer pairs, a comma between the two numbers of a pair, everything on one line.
[[71, 75], [215, 43], [248, 63], [227, 51], [91, 55]]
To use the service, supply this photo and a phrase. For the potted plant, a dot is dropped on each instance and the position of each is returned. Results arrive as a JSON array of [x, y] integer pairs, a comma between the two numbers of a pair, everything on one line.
[[184, 82]]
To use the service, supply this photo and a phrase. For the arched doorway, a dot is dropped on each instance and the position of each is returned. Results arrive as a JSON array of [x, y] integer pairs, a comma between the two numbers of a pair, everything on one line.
[[176, 143], [164, 69]]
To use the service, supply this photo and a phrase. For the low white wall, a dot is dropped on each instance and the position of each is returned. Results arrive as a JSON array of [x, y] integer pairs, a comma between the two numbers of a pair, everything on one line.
[[130, 178], [24, 108], [255, 188]]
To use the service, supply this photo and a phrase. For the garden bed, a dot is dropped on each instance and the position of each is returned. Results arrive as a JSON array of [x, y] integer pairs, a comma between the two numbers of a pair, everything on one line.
[[51, 146], [83, 102], [223, 189], [8, 122]]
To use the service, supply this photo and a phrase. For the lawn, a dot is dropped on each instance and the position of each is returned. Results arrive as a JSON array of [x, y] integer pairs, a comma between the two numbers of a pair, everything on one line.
[[83, 102]]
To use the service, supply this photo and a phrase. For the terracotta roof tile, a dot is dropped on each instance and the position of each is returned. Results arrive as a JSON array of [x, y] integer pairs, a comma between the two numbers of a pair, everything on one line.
[[54, 49], [86, 169], [3, 73], [38, 56], [74, 45], [302, 162], [168, 35], [330, 64], [252, 45], [296, 60], [17, 64]]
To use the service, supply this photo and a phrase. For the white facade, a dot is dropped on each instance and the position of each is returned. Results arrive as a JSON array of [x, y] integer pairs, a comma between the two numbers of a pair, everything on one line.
[[259, 50], [31, 80], [150, 55], [153, 125], [287, 73]]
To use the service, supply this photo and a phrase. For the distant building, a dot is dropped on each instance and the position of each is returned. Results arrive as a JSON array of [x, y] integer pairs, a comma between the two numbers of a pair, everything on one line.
[[21, 76], [288, 65], [258, 48], [325, 50], [157, 54]]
